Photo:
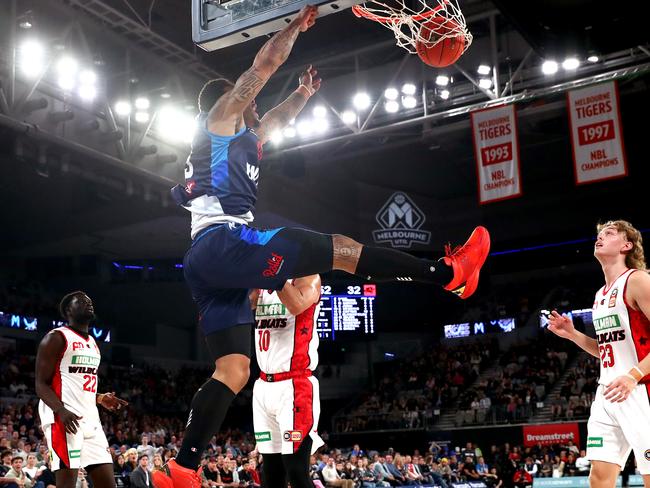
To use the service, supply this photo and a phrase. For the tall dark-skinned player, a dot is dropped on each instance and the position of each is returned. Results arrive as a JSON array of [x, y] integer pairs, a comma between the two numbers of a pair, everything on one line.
[[67, 384], [229, 256]]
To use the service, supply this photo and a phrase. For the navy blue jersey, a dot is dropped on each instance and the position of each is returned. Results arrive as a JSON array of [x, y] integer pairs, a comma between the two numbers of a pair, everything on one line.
[[221, 177]]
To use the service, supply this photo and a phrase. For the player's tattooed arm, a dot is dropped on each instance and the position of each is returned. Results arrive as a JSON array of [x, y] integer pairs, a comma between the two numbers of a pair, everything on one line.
[[280, 116], [267, 61], [347, 252]]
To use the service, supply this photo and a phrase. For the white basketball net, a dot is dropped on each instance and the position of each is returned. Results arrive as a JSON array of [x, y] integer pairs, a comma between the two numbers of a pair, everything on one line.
[[406, 22]]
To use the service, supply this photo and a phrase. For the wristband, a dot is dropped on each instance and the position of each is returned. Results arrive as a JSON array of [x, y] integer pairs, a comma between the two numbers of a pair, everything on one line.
[[308, 92], [636, 373], [631, 377]]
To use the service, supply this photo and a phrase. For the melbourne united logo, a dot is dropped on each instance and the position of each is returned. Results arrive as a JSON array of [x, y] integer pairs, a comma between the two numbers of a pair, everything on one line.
[[400, 220], [253, 172]]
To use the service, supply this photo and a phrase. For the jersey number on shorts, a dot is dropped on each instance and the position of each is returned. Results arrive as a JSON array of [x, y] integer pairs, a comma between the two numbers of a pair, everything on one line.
[[265, 340], [607, 355], [90, 383]]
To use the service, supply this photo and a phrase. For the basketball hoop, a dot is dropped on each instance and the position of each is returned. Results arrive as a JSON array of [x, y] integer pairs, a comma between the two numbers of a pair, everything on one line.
[[419, 28]]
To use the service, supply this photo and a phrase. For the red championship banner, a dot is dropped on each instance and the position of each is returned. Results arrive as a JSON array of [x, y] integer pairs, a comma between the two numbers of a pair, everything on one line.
[[551, 434], [596, 133], [496, 147]]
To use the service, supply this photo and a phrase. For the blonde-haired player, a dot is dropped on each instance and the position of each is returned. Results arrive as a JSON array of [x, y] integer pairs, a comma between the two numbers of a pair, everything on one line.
[[286, 401], [620, 415]]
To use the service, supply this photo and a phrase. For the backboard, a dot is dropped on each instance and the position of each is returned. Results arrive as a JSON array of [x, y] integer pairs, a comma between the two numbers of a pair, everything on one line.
[[220, 23]]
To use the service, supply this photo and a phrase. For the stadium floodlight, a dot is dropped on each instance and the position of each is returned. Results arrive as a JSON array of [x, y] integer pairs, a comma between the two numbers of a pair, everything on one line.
[[87, 92], [319, 111], [549, 67], [321, 125], [349, 117], [289, 132], [571, 63], [142, 117], [87, 77], [408, 89], [409, 102], [444, 94], [142, 103], [31, 58], [67, 70], [442, 80], [593, 58], [361, 101], [165, 95], [485, 83], [305, 127], [391, 93], [276, 137], [67, 66], [484, 70], [391, 106], [123, 108], [176, 125]]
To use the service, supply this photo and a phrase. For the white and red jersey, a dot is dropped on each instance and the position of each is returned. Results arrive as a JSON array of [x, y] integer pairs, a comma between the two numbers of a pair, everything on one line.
[[623, 333], [75, 377], [284, 342]]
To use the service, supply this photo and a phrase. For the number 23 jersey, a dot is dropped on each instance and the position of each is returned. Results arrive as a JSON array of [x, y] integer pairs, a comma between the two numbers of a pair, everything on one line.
[[284, 342], [623, 334]]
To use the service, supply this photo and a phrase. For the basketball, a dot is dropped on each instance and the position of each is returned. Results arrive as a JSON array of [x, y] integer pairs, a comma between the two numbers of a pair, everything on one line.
[[445, 52]]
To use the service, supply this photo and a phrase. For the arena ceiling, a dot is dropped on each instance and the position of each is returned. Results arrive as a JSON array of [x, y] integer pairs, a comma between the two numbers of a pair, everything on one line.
[[339, 188]]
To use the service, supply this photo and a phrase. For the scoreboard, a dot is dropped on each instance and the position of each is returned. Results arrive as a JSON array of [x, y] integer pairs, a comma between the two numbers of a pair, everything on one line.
[[346, 311]]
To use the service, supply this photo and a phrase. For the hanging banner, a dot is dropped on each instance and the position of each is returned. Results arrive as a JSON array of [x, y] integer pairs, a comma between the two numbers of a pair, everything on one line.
[[596, 133], [496, 147]]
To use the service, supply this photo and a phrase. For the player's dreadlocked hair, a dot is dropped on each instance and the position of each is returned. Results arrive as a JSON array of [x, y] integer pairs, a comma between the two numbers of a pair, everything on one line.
[[211, 92], [635, 258], [65, 302]]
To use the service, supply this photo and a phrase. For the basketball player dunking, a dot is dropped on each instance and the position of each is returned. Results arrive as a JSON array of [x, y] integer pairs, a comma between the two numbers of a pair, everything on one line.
[[619, 419], [286, 401], [227, 258], [66, 382]]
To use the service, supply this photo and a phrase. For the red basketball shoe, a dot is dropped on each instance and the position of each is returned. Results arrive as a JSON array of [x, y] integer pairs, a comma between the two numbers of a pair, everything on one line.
[[176, 476], [466, 262]]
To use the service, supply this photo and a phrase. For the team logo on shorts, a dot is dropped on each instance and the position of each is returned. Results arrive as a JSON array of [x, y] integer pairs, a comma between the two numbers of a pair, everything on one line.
[[292, 435], [263, 436], [612, 298], [594, 442], [274, 263], [646, 454], [400, 220]]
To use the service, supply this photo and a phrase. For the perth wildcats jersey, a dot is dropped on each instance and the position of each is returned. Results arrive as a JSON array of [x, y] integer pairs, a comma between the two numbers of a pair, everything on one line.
[[75, 377], [284, 342], [221, 177], [623, 333]]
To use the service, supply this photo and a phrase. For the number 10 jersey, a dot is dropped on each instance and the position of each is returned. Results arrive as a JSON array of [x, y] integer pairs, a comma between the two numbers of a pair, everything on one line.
[[284, 342]]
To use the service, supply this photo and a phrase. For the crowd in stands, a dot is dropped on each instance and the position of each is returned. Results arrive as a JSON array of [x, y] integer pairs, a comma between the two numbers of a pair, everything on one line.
[[28, 298], [578, 391], [523, 377], [231, 460], [409, 392]]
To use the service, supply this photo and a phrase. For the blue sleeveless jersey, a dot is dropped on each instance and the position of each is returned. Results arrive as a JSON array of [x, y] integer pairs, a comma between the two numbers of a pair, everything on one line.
[[221, 176]]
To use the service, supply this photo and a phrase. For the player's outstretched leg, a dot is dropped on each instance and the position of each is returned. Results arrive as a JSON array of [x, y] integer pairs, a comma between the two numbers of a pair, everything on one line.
[[230, 348], [457, 272]]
